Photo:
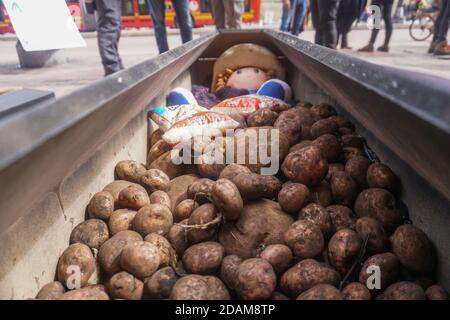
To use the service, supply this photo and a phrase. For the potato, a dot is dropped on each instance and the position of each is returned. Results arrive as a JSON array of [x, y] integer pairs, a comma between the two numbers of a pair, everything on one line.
[[201, 216], [240, 119], [343, 249], [140, 258], [255, 280], [211, 163], [279, 256], [203, 258], [226, 198], [167, 255], [228, 270], [403, 290], [322, 127], [413, 248], [388, 265], [93, 292], [262, 117], [232, 170], [351, 152], [153, 218], [322, 111], [290, 125], [332, 168], [133, 198], [184, 210], [76, 258], [293, 197], [342, 122], [319, 216], [436, 292], [200, 190], [342, 217], [343, 188], [321, 292], [92, 232], [321, 194], [261, 223], [329, 145], [343, 131], [278, 296], [124, 285], [115, 187], [379, 204], [109, 253], [51, 291], [177, 237], [352, 140], [178, 189], [130, 170], [166, 164], [357, 167], [154, 179], [121, 220], [373, 230], [307, 166], [305, 239], [305, 275], [161, 197], [356, 291], [101, 205], [196, 287], [253, 186], [380, 176], [160, 284], [302, 144]]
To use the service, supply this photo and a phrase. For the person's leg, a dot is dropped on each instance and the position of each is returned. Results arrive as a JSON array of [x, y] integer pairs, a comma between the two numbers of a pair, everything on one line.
[[286, 16], [436, 30], [109, 14], [442, 45], [218, 13], [374, 34], [184, 19], [158, 11], [233, 13], [299, 19], [314, 6], [327, 18], [387, 17]]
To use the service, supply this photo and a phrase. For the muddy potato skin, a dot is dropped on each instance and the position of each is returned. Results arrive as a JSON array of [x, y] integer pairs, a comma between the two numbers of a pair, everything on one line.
[[330, 146], [200, 187], [342, 217], [380, 176], [300, 145], [197, 287], [389, 269], [290, 125], [379, 204], [321, 292], [133, 198], [324, 126], [262, 117], [227, 199], [121, 220], [232, 170], [255, 280], [436, 292], [343, 188], [321, 194], [371, 228], [201, 215], [322, 111], [51, 291], [357, 167], [92, 232], [177, 237], [161, 197], [356, 291], [155, 218], [130, 170], [184, 210], [109, 253], [351, 152], [93, 292], [160, 284], [101, 205], [155, 179], [319, 216], [228, 270], [332, 168], [413, 248], [293, 197], [403, 290], [166, 252], [343, 249], [279, 256], [307, 166], [203, 258], [76, 254], [124, 285], [253, 186], [115, 187], [141, 259], [304, 239], [352, 140]]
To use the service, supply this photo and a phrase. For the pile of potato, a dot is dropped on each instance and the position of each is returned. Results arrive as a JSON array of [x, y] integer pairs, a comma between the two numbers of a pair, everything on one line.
[[217, 231]]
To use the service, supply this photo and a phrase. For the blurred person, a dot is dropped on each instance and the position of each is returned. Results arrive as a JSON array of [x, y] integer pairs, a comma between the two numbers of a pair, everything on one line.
[[386, 12], [323, 14], [439, 45], [295, 9], [158, 13], [227, 13], [348, 12]]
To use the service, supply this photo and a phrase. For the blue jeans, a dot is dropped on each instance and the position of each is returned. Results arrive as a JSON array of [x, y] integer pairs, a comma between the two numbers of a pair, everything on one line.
[[442, 25], [183, 16], [298, 10]]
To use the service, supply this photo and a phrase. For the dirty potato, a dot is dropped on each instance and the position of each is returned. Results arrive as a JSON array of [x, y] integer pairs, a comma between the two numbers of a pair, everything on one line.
[[184, 210], [161, 197], [121, 220], [203, 258], [124, 285], [202, 215], [255, 280], [321, 292], [262, 117], [293, 197], [342, 217], [343, 249], [133, 198], [101, 205], [388, 265], [153, 218], [166, 252], [228, 270], [279, 256], [372, 229], [197, 287], [77, 256], [305, 239], [381, 176], [357, 167], [319, 216], [92, 232], [227, 199], [160, 284], [130, 170], [140, 258], [356, 291]]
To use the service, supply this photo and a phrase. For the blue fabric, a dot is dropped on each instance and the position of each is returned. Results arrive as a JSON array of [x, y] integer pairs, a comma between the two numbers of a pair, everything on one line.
[[275, 88], [298, 11], [180, 96]]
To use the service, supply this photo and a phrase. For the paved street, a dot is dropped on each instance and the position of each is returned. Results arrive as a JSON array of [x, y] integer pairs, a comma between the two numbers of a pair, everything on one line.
[[71, 69]]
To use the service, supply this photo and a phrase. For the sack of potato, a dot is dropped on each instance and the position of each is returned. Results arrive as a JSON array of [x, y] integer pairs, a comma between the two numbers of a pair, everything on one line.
[[325, 226]]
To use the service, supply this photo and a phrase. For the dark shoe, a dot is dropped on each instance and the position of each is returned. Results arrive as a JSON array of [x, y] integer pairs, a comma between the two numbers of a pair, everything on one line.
[[432, 46], [441, 49], [346, 47], [368, 48], [383, 48]]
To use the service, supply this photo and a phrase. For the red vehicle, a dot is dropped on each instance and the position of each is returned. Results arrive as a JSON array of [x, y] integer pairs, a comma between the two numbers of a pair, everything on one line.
[[135, 14]]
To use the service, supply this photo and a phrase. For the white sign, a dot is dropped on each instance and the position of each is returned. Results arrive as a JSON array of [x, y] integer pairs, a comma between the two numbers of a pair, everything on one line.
[[43, 24]]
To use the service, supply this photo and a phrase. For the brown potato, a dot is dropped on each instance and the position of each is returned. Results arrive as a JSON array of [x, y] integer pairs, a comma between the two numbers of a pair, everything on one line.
[[379, 204], [228, 270], [167, 255], [226, 198], [109, 253], [307, 166], [211, 162], [51, 291], [352, 140], [133, 198], [184, 210], [177, 237], [240, 119], [403, 290], [343, 249], [305, 239], [200, 190], [321, 292], [76, 258], [321, 194], [330, 146], [255, 280], [351, 152], [115, 187], [343, 131], [389, 268], [436, 292], [343, 122], [293, 197], [322, 111], [302, 144], [278, 296], [160, 284], [154, 179], [324, 126], [373, 230], [413, 248], [343, 188], [232, 170], [357, 167], [166, 164], [124, 285], [196, 287], [290, 125], [342, 217], [380, 176], [319, 216], [121, 220], [93, 292], [200, 216], [153, 218], [304, 104], [279, 256], [140, 258], [203, 258], [101, 205], [253, 186], [356, 291], [305, 275], [161, 197], [262, 117], [92, 232], [130, 170]]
